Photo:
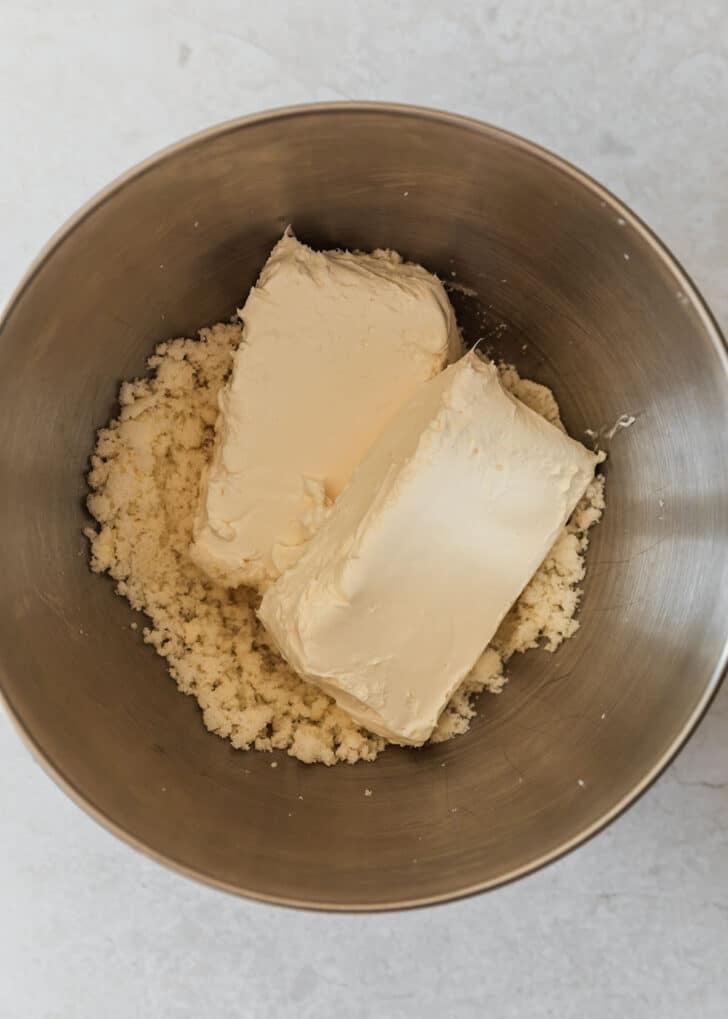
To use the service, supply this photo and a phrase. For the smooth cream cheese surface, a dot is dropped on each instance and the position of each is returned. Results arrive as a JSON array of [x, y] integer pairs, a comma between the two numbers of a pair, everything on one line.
[[442, 525], [334, 343]]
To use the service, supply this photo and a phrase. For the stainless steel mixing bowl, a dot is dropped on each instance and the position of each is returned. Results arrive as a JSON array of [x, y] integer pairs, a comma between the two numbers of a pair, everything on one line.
[[611, 322]]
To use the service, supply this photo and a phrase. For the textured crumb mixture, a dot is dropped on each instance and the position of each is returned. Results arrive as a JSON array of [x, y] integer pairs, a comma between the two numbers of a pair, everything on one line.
[[144, 480]]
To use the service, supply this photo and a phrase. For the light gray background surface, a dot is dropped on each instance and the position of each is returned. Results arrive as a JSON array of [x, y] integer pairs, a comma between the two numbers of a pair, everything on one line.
[[633, 924]]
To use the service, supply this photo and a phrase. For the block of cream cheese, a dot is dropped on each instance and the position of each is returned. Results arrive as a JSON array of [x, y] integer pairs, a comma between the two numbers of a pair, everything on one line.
[[441, 527], [334, 343]]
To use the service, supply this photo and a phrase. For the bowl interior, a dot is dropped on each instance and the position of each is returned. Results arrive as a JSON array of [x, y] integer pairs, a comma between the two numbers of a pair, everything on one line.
[[569, 286]]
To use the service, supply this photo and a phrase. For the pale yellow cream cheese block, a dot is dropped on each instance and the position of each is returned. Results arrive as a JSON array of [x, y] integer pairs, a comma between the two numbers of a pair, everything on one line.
[[439, 530], [334, 344]]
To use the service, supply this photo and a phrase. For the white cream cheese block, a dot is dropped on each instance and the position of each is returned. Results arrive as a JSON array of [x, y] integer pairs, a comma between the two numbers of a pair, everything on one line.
[[439, 530], [334, 343]]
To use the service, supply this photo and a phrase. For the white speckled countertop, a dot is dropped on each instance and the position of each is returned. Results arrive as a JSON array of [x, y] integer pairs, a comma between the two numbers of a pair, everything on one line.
[[636, 922]]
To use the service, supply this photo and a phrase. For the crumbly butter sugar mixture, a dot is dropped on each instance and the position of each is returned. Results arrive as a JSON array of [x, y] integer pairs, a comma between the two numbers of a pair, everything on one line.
[[145, 479]]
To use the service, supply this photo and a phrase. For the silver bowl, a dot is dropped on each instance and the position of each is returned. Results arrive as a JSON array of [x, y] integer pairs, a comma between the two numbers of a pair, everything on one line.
[[612, 324]]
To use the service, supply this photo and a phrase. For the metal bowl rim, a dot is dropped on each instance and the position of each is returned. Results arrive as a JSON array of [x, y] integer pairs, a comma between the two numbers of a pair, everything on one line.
[[538, 152]]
